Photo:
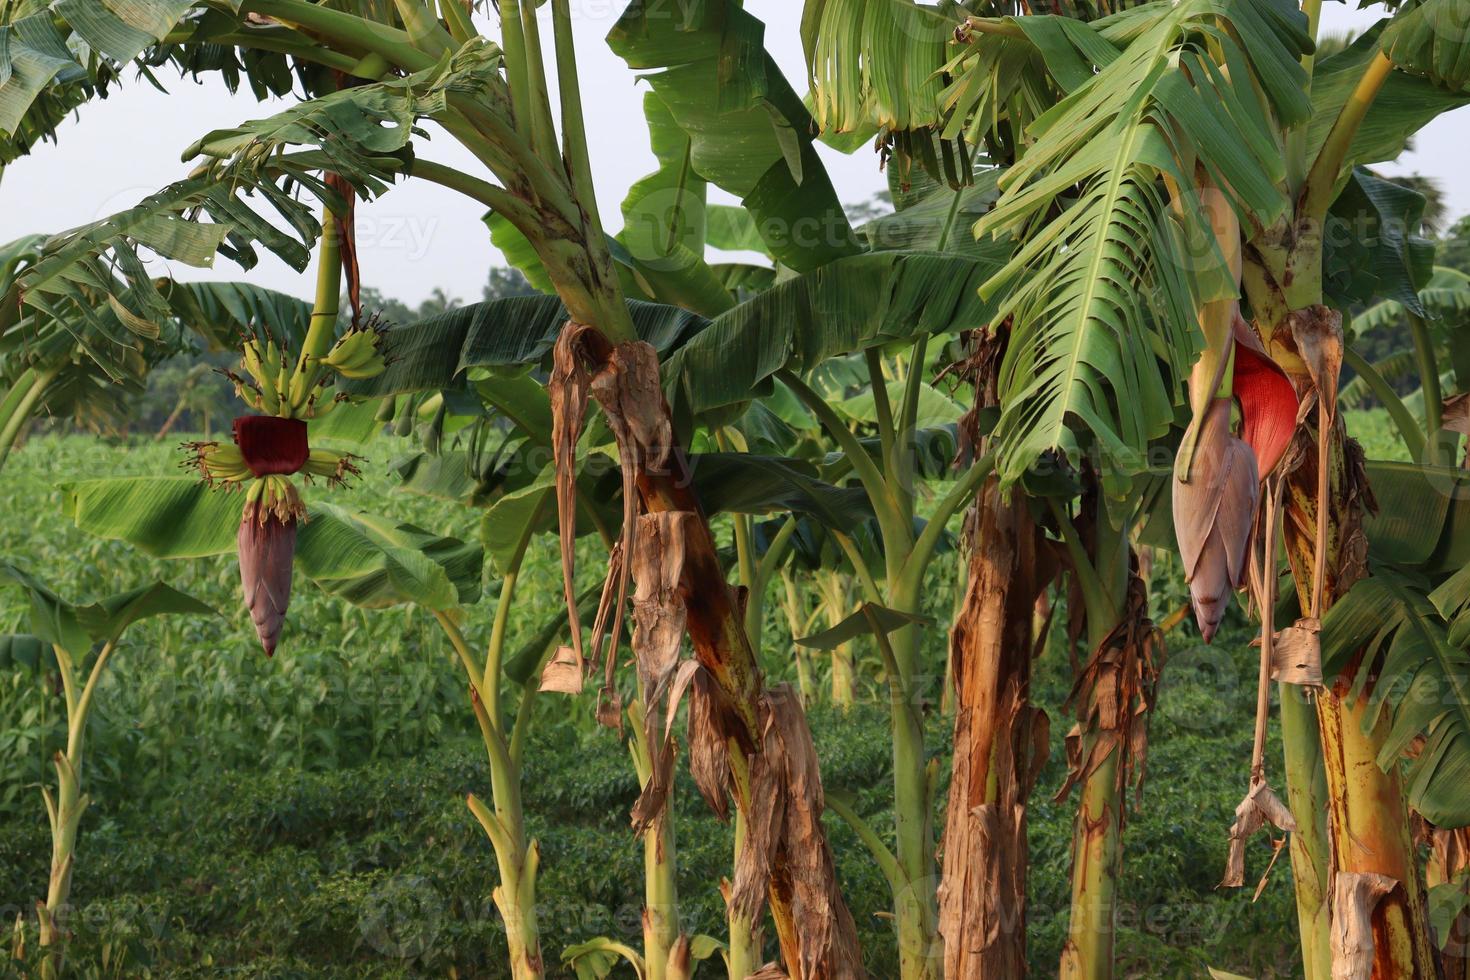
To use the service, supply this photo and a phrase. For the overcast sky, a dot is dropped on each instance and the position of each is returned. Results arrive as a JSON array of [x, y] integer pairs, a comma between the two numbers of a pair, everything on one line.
[[419, 236]]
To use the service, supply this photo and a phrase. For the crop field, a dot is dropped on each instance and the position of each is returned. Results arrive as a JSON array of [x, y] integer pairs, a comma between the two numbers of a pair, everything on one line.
[[304, 815]]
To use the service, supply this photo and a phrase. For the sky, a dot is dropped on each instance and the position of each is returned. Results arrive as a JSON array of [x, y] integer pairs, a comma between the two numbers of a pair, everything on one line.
[[420, 237]]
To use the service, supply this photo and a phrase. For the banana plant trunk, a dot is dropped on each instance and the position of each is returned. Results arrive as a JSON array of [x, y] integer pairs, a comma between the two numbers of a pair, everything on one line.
[[1112, 696], [999, 746], [746, 720], [1377, 901], [1306, 797], [660, 885]]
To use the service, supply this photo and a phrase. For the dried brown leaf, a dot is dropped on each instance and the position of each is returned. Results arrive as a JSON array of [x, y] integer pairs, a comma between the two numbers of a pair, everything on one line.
[[709, 745], [785, 847], [567, 389], [1113, 695], [1455, 415], [1260, 807]]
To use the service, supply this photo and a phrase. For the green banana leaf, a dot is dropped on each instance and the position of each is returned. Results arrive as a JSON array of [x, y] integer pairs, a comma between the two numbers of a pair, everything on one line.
[[516, 331], [1420, 673], [367, 560], [77, 627], [35, 53], [850, 304], [1403, 106], [749, 132]]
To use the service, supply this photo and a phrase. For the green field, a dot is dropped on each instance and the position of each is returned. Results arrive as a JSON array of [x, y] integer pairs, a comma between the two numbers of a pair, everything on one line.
[[304, 816]]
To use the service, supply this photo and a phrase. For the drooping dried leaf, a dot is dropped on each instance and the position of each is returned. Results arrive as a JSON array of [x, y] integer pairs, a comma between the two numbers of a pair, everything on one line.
[[709, 745], [785, 847], [658, 628], [658, 610], [626, 386], [1113, 695], [1260, 807], [1355, 894], [567, 390]]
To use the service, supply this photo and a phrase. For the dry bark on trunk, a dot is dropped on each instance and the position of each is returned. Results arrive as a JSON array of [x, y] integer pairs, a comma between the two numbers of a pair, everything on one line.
[[773, 773], [1000, 743]]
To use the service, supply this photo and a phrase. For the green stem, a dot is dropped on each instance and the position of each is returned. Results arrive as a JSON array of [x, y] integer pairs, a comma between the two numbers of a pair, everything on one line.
[[346, 29], [882, 856], [424, 30], [543, 130], [904, 461], [1089, 582], [1403, 419], [495, 652], [761, 574], [65, 810], [322, 329], [618, 326], [1296, 138], [1321, 183], [1429, 379], [513, 45], [860, 568], [884, 503], [1097, 842], [515, 857], [776, 553], [881, 407], [1306, 797], [302, 49], [20, 413], [497, 199], [660, 886], [746, 951], [924, 546]]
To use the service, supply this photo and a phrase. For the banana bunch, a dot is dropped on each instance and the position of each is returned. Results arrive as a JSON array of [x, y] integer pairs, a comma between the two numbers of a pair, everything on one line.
[[218, 462], [335, 467], [357, 354], [276, 383], [269, 368]]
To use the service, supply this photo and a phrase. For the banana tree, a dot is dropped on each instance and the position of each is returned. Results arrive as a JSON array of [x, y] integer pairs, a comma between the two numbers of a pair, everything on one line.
[[494, 100], [81, 641], [1155, 100]]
